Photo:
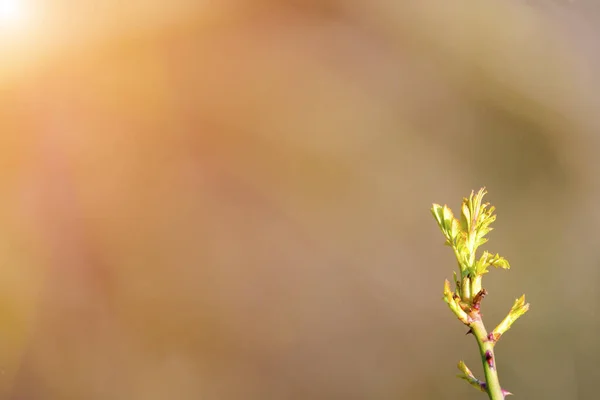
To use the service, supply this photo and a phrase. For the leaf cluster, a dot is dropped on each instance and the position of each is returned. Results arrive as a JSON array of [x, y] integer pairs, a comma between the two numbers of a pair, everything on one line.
[[467, 234]]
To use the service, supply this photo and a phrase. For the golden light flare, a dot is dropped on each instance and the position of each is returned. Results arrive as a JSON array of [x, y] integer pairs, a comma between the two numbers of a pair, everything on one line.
[[13, 14]]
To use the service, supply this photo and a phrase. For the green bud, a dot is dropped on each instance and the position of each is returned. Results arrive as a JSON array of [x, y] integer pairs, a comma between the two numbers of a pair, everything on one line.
[[453, 302]]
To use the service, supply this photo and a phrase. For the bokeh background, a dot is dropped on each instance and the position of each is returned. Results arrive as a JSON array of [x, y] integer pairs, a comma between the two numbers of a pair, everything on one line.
[[229, 200]]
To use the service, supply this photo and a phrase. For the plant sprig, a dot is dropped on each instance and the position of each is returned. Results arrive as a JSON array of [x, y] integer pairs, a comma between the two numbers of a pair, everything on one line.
[[465, 236]]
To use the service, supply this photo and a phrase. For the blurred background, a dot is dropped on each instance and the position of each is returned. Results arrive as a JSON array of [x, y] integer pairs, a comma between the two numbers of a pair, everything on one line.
[[230, 199]]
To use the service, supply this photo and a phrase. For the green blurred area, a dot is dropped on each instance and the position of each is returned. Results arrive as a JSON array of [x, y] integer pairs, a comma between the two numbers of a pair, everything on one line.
[[232, 201]]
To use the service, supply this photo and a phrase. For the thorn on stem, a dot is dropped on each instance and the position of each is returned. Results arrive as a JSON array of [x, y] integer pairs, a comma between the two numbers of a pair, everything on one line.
[[483, 387], [469, 331], [489, 358]]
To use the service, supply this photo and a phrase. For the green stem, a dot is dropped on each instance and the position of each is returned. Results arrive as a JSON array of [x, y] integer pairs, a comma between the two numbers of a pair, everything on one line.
[[486, 348], [466, 290], [475, 285]]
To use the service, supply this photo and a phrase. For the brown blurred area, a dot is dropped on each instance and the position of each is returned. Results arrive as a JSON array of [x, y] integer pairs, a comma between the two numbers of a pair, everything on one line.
[[230, 200]]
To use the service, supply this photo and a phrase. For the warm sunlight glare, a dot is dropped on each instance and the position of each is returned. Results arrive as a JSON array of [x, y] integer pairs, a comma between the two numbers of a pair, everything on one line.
[[12, 14]]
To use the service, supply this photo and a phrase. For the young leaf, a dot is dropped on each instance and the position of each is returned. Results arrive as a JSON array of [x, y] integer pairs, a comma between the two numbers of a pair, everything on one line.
[[445, 219], [488, 259], [476, 219], [468, 376], [518, 309]]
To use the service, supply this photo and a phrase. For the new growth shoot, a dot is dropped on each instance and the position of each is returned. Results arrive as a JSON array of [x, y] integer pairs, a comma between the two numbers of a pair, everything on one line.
[[465, 236]]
